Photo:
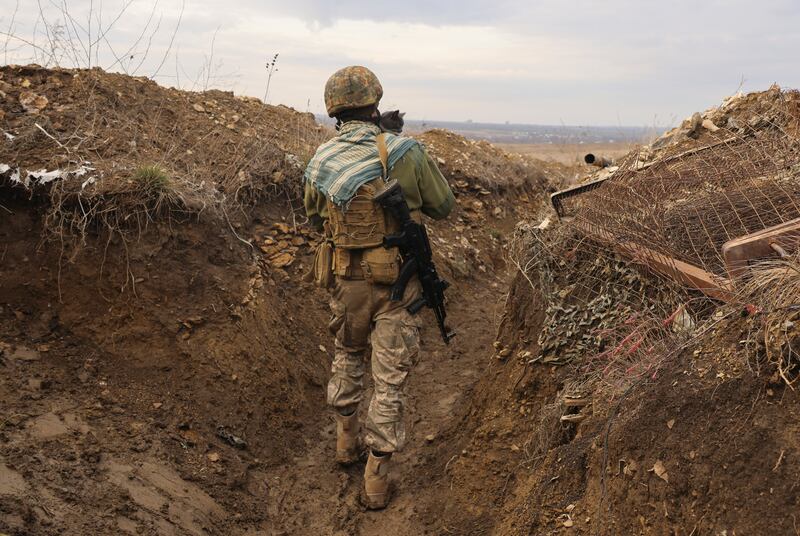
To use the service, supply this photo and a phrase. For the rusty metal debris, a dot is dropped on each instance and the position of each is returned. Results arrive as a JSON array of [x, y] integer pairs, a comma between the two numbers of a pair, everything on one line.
[[557, 198], [777, 240], [598, 161]]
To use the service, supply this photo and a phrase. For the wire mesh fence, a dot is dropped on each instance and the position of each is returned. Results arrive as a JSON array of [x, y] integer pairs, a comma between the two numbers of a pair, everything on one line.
[[687, 204]]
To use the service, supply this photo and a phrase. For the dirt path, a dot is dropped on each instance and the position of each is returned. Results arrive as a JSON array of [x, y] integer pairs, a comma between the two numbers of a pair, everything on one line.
[[311, 495]]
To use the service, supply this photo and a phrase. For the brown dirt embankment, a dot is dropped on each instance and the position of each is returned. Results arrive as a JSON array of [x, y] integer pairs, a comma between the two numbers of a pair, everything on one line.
[[620, 402]]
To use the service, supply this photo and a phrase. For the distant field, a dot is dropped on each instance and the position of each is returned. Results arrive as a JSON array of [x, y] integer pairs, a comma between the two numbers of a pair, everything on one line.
[[568, 153]]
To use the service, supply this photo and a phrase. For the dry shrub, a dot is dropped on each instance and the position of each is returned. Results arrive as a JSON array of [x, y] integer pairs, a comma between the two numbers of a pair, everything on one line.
[[773, 287], [636, 350], [125, 207]]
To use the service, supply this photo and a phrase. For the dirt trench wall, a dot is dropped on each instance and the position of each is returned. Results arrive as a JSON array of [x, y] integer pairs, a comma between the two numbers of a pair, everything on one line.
[[682, 456], [701, 447], [489, 440], [186, 305], [177, 346]]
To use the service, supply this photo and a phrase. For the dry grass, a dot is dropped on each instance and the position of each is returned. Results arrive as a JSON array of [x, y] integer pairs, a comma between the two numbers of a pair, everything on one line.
[[774, 288], [152, 179], [548, 433]]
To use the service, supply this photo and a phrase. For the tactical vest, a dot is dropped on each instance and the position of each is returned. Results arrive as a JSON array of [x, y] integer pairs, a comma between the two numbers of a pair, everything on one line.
[[358, 229], [357, 232]]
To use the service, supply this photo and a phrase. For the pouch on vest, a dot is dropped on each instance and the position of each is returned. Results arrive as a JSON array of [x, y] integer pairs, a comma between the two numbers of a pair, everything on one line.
[[381, 266], [358, 230], [362, 224], [323, 265], [342, 263]]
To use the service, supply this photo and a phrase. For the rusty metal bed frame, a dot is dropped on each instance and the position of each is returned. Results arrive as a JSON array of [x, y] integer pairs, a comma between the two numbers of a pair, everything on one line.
[[777, 241]]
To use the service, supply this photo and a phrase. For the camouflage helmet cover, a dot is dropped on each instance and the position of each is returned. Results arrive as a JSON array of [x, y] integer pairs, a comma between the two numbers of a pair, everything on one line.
[[351, 87]]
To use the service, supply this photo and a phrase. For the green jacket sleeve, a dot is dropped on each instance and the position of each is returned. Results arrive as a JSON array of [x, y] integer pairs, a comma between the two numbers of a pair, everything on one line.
[[424, 186]]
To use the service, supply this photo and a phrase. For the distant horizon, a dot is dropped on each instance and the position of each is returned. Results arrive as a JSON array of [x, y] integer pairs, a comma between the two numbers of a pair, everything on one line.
[[326, 119], [529, 133]]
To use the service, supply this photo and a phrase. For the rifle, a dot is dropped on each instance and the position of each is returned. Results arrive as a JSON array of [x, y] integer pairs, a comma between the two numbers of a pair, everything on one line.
[[415, 250]]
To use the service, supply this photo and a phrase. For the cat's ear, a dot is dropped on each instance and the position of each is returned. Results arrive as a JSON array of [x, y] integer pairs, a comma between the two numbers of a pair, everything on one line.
[[395, 114], [402, 114]]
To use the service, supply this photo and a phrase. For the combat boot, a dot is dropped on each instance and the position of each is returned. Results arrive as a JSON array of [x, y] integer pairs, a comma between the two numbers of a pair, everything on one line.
[[347, 444], [376, 481]]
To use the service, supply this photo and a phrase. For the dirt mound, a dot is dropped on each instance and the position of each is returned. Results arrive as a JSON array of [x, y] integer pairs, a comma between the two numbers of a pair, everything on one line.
[[482, 167], [740, 114], [114, 149]]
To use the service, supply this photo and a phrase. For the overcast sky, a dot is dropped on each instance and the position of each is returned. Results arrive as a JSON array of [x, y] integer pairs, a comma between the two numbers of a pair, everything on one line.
[[581, 62]]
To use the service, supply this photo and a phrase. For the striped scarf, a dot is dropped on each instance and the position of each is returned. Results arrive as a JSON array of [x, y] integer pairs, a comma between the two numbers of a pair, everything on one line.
[[345, 163]]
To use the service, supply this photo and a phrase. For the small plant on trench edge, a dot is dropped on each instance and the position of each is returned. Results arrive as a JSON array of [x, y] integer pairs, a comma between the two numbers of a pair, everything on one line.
[[152, 179]]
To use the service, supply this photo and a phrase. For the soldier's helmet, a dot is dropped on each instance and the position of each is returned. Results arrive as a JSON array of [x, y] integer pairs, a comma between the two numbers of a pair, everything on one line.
[[352, 87]]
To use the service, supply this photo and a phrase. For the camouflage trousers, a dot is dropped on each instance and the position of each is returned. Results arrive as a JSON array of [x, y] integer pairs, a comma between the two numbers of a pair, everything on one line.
[[362, 316]]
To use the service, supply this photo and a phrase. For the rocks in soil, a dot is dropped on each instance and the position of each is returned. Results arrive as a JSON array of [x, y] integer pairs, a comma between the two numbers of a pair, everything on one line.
[[281, 260], [738, 114], [38, 384], [284, 243], [32, 103], [660, 470], [231, 439], [22, 353]]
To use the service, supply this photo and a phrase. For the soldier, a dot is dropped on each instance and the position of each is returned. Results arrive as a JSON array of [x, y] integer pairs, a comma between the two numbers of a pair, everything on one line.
[[341, 181]]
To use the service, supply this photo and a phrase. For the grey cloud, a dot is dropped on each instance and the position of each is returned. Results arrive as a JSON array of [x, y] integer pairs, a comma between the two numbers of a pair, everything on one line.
[[672, 57], [326, 12]]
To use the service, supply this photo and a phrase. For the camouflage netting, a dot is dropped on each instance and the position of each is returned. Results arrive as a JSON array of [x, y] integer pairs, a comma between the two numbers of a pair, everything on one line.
[[611, 321]]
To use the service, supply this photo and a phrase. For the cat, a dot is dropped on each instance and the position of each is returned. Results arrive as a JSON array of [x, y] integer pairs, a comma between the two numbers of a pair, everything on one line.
[[392, 121]]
